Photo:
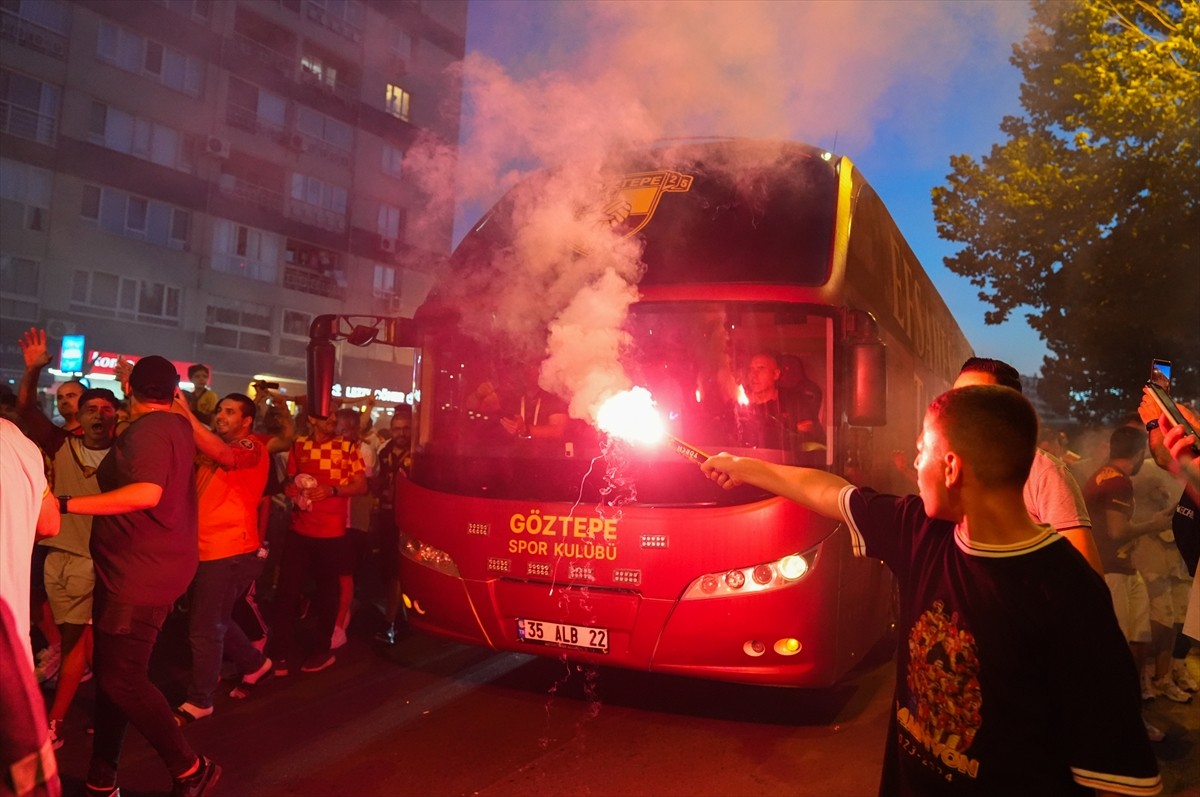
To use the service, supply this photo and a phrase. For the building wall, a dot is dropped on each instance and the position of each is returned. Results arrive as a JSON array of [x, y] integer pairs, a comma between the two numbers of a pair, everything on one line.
[[198, 178]]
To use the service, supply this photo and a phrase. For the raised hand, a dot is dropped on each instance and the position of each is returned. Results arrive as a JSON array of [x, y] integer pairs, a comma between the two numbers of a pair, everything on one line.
[[33, 349]]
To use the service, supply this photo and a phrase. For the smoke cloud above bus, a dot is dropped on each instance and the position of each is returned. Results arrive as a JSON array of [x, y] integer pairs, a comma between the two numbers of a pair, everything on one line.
[[632, 74]]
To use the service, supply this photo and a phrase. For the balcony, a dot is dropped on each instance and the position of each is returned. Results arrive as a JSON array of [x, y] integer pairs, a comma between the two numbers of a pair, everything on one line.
[[347, 93], [338, 24], [248, 119], [329, 284], [32, 36], [315, 216], [25, 123], [281, 62], [251, 194]]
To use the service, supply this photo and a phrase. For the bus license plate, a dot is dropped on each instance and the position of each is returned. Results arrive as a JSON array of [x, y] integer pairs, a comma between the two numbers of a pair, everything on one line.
[[570, 636]]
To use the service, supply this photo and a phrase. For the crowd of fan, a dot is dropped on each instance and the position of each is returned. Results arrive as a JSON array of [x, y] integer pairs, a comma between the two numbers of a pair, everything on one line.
[[183, 501]]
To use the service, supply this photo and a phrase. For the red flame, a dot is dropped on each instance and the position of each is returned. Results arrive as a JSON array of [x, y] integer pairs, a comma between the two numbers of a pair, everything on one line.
[[631, 416]]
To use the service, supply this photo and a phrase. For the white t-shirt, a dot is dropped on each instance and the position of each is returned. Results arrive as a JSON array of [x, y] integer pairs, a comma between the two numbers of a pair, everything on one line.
[[22, 485]]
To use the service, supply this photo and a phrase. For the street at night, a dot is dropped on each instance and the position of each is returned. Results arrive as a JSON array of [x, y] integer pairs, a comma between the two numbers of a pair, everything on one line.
[[430, 718]]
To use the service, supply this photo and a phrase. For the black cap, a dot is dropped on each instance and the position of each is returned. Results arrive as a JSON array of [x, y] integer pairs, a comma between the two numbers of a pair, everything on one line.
[[154, 378]]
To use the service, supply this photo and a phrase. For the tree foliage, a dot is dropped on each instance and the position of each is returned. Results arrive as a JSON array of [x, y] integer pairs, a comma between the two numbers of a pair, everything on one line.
[[1086, 214]]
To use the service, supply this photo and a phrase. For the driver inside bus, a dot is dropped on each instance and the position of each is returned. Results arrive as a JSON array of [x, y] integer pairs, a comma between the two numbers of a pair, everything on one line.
[[780, 418], [531, 412]]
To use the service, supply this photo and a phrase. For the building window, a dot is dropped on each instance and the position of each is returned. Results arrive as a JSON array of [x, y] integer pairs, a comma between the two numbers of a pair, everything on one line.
[[28, 107], [402, 44], [325, 129], [385, 281], [390, 221], [318, 71], [151, 59], [253, 109], [136, 217], [236, 324], [29, 187], [38, 25], [245, 251], [393, 161], [122, 132], [293, 342], [306, 188], [113, 296], [18, 288], [397, 102]]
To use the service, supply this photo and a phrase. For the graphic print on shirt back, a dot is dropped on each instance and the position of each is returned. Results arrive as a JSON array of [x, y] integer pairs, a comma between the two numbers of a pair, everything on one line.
[[943, 711]]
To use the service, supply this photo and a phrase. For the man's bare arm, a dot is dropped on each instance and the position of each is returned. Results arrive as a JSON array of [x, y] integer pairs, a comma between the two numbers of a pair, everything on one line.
[[816, 489]]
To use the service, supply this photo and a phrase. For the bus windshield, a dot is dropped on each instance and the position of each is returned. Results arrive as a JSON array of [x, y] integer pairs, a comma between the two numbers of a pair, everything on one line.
[[743, 377]]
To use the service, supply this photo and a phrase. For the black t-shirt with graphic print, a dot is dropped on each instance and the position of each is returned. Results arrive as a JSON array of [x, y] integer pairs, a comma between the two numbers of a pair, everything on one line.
[[1012, 675]]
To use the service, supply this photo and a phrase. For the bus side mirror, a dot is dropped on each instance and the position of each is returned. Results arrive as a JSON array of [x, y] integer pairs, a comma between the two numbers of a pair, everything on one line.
[[867, 404], [320, 378]]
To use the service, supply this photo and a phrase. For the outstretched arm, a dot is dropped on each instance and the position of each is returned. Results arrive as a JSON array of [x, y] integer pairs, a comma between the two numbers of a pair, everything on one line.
[[816, 489]]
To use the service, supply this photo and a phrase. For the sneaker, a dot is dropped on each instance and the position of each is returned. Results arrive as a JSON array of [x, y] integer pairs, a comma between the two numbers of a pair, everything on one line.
[[56, 740], [1148, 690], [281, 668], [338, 639], [251, 680], [387, 636], [200, 782], [101, 791], [1154, 734], [1167, 688], [318, 662], [187, 713], [1182, 676], [48, 661]]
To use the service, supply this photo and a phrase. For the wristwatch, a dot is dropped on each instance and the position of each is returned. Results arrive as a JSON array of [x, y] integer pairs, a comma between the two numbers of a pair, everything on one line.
[[62, 504], [1151, 425]]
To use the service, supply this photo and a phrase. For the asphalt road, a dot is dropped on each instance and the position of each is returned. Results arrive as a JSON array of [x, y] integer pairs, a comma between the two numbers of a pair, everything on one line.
[[429, 718]]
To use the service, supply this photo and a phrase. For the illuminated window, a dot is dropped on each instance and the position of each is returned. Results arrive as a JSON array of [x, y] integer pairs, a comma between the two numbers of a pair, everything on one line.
[[318, 71], [397, 102]]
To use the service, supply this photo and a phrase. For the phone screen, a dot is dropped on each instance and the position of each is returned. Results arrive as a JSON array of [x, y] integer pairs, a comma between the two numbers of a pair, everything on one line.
[[1162, 367]]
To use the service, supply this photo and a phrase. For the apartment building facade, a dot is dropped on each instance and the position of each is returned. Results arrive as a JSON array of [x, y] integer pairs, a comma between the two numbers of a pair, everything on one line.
[[200, 178]]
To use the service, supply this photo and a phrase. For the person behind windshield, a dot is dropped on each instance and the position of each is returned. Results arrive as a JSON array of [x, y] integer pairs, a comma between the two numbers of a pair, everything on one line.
[[775, 418], [531, 412]]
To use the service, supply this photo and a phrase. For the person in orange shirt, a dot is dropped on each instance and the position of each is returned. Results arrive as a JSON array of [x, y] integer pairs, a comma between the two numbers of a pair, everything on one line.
[[231, 474]]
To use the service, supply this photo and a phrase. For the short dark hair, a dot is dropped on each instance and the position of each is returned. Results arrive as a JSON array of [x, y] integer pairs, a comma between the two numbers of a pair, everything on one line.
[[1126, 442], [1004, 373], [194, 367], [249, 408], [101, 393], [993, 428]]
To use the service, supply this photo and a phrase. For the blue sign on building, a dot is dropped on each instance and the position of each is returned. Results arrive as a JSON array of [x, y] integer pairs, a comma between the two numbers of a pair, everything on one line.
[[71, 361]]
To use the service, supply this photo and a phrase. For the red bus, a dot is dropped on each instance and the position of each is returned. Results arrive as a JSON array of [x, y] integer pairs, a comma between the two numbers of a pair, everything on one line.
[[579, 546]]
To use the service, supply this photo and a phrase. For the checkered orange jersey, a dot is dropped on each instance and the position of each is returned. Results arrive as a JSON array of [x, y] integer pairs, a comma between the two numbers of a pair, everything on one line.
[[332, 463]]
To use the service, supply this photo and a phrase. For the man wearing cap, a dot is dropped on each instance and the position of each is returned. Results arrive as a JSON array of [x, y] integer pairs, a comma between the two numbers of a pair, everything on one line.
[[144, 547], [68, 573]]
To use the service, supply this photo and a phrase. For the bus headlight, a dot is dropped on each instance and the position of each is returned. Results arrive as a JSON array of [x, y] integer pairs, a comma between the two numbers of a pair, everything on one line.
[[755, 578], [427, 555]]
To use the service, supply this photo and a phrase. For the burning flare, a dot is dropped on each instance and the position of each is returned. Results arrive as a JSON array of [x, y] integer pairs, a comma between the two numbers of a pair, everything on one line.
[[631, 416]]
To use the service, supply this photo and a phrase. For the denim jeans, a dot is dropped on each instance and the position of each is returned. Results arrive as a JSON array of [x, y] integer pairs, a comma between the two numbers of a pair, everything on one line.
[[125, 635], [212, 634], [322, 559]]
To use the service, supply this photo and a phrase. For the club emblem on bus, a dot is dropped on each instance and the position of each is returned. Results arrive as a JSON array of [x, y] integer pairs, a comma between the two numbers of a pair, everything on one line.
[[634, 198]]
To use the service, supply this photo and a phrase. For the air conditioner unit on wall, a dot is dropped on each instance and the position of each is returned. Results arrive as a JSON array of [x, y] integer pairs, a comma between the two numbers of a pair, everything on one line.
[[393, 304], [388, 245], [298, 142], [217, 147]]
